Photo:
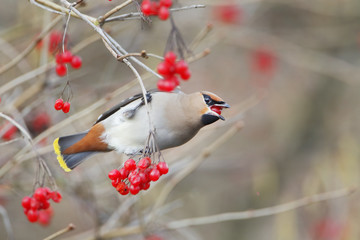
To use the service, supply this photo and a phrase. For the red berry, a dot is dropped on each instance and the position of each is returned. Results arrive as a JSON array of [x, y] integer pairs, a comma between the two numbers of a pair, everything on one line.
[[134, 189], [144, 177], [263, 61], [144, 163], [59, 103], [67, 57], [145, 186], [40, 122], [181, 67], [154, 8], [185, 75], [66, 107], [26, 202], [40, 194], [173, 79], [59, 58], [165, 85], [165, 3], [135, 180], [216, 109], [56, 196], [170, 57], [122, 188], [44, 204], [76, 62], [54, 41], [162, 167], [115, 182], [34, 204], [130, 164], [163, 68], [164, 13], [32, 215], [9, 134], [60, 69], [154, 175], [229, 13], [146, 7], [114, 174], [44, 218], [123, 173]]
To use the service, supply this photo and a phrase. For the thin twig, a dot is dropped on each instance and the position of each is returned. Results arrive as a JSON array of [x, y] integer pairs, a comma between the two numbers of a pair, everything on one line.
[[231, 216], [114, 10], [22, 130], [142, 54], [7, 223], [201, 36], [69, 228], [31, 46]]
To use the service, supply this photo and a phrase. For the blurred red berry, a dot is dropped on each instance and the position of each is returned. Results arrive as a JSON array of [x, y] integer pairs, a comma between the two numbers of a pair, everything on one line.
[[166, 86], [185, 75], [114, 174], [134, 189], [162, 167], [59, 58], [115, 182], [170, 57], [66, 107], [263, 61], [56, 196], [67, 57], [145, 186], [230, 13], [10, 132], [40, 122], [154, 175], [146, 7], [181, 67], [164, 68], [40, 194], [32, 215], [164, 13], [122, 188], [26, 202], [45, 204], [59, 103], [76, 62], [123, 173], [44, 218], [144, 177], [165, 3], [144, 163], [135, 180], [55, 41], [154, 8], [60, 70], [130, 164]]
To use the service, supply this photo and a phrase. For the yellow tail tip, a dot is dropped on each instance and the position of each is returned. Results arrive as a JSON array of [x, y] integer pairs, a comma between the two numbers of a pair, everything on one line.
[[59, 156]]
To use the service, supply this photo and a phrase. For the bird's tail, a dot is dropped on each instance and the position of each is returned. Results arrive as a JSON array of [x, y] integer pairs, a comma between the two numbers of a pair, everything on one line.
[[68, 160]]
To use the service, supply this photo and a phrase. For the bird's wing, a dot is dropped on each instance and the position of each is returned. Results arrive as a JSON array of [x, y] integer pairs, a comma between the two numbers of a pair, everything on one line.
[[122, 104]]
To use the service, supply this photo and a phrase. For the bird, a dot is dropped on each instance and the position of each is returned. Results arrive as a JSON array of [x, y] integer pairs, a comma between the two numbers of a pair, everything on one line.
[[176, 117]]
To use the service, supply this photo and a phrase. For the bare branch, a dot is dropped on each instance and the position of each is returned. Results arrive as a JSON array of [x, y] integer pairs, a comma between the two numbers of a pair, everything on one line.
[[69, 228]]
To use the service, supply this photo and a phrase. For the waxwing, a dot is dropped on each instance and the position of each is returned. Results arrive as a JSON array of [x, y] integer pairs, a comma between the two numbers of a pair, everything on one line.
[[175, 116]]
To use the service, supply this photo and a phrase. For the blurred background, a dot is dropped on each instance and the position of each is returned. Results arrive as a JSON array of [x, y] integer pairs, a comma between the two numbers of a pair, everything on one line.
[[289, 70]]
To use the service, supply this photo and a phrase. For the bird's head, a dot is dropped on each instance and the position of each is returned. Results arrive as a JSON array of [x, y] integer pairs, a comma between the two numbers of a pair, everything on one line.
[[212, 107]]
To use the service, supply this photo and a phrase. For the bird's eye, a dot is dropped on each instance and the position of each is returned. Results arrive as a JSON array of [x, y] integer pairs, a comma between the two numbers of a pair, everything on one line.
[[207, 99]]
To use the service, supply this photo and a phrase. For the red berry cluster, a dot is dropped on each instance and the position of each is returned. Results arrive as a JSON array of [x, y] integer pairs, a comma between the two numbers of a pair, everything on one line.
[[168, 69], [134, 177], [61, 105], [37, 207], [160, 8], [66, 57]]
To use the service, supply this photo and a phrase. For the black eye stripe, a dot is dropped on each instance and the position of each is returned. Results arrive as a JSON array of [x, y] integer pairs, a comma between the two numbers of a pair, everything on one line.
[[209, 101]]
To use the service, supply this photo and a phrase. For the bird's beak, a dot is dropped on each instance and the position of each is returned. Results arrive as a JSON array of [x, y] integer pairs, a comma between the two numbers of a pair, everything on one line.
[[222, 104]]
